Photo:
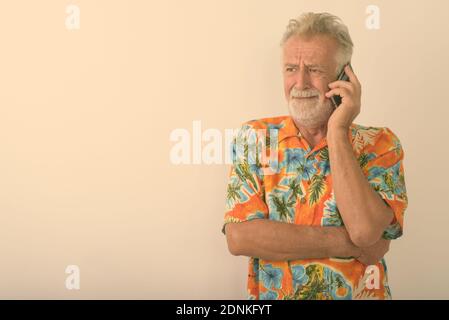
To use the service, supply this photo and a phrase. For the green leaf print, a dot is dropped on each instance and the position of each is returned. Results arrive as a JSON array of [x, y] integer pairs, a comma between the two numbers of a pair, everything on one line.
[[316, 189], [282, 207]]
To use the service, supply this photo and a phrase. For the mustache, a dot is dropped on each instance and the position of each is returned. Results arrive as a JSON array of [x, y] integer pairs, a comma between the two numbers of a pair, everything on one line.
[[304, 93]]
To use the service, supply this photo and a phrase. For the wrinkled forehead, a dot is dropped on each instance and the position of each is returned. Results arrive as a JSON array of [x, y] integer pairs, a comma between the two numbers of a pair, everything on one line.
[[318, 49]]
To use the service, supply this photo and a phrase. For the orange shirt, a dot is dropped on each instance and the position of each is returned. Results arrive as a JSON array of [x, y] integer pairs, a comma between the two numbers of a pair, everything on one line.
[[298, 189]]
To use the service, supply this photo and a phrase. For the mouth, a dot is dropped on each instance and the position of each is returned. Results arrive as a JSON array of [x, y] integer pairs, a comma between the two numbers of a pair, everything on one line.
[[305, 98]]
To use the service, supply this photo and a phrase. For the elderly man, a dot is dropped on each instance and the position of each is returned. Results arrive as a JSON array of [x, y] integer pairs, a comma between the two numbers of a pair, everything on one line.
[[319, 225]]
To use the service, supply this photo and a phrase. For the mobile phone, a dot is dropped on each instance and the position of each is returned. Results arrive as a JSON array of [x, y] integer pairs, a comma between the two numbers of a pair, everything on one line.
[[336, 99]]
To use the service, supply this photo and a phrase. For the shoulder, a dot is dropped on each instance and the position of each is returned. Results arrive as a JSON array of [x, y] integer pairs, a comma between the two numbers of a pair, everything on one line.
[[266, 123], [378, 140], [262, 127]]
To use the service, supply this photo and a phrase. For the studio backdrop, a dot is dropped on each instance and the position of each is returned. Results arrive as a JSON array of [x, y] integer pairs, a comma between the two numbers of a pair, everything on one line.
[[97, 197]]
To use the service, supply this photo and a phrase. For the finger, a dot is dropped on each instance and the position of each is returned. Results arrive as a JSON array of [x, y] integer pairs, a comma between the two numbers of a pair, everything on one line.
[[340, 83], [352, 77], [343, 92]]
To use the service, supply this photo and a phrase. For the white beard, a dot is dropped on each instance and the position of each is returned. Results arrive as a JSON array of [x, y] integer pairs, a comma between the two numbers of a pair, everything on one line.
[[310, 113]]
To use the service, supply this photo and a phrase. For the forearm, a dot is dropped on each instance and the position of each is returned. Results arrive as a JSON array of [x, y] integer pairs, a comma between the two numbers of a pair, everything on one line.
[[364, 213], [279, 241]]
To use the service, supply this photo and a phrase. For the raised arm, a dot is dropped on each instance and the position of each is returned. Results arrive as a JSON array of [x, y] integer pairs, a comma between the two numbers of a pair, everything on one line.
[[368, 214]]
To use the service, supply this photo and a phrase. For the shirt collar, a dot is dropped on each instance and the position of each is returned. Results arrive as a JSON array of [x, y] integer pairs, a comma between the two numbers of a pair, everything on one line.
[[288, 129]]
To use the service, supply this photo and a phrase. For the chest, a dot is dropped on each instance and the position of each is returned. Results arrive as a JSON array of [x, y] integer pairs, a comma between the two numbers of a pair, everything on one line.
[[301, 190]]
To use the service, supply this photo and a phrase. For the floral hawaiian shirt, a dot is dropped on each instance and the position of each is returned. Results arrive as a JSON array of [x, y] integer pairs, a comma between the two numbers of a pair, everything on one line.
[[296, 187]]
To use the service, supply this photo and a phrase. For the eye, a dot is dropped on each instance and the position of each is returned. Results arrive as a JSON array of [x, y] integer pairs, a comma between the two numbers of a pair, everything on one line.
[[290, 69]]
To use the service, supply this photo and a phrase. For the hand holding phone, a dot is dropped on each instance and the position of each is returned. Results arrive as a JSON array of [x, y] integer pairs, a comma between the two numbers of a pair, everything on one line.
[[336, 100]]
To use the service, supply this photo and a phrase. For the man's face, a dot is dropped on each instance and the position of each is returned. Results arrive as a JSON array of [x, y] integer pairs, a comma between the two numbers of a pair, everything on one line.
[[309, 65]]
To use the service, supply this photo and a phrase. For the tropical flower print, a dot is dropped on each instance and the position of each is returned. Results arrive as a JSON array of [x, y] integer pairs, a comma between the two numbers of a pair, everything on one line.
[[300, 191], [331, 216], [271, 276]]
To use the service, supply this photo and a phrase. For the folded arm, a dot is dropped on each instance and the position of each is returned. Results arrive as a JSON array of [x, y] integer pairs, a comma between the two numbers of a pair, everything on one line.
[[273, 240], [280, 241]]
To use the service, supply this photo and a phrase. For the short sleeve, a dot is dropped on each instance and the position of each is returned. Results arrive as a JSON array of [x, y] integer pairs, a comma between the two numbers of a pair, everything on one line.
[[385, 172], [245, 196]]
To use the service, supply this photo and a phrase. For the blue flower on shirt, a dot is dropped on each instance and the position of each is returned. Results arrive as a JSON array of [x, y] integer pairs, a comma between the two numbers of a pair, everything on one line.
[[306, 170], [387, 181], [271, 276], [269, 295], [299, 276], [295, 161]]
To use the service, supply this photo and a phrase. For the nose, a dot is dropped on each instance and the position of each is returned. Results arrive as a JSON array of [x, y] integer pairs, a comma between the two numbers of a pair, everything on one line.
[[302, 79]]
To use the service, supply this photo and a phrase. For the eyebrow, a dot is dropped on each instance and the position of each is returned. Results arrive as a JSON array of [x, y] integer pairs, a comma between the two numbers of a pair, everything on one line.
[[313, 65]]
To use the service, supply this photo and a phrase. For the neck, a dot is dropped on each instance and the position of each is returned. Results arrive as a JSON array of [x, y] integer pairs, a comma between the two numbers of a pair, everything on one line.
[[314, 134]]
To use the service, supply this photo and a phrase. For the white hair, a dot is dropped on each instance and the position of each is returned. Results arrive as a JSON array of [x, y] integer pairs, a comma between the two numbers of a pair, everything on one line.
[[310, 24]]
